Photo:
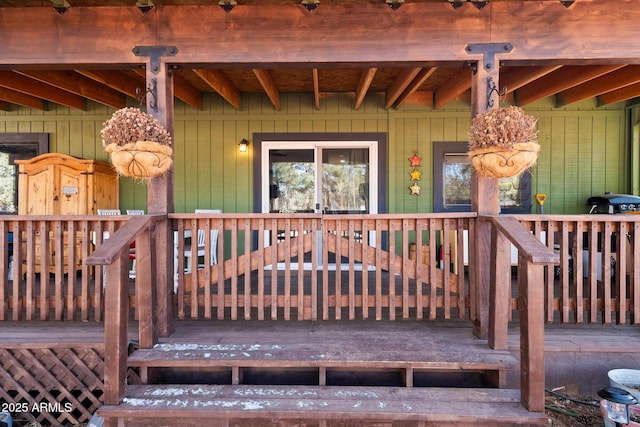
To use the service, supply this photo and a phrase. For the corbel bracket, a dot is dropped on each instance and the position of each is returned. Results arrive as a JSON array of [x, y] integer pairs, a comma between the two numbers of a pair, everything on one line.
[[154, 53], [488, 50]]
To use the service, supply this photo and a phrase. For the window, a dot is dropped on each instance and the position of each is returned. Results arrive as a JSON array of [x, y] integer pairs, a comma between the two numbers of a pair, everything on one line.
[[452, 182], [16, 146]]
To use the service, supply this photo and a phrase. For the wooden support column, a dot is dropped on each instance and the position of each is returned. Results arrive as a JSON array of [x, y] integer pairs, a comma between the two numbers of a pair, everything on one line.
[[160, 104], [484, 191]]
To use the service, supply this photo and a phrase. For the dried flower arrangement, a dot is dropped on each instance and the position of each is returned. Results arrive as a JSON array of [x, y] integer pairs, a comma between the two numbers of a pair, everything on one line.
[[138, 143], [503, 142]]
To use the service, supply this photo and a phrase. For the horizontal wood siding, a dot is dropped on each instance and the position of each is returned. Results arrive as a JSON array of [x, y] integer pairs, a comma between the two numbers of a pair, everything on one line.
[[583, 150]]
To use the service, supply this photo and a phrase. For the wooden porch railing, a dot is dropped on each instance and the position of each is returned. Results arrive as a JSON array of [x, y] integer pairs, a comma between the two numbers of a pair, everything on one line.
[[37, 247], [598, 279], [311, 266], [581, 289], [533, 256]]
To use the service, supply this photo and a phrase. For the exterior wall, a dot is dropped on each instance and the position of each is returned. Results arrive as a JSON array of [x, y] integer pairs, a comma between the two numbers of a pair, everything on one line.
[[584, 148]]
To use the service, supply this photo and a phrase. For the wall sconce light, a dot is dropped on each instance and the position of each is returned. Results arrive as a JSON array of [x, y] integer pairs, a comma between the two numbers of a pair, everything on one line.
[[456, 4], [311, 5], [227, 5], [567, 3], [144, 5], [60, 6], [394, 4], [244, 145], [617, 404]]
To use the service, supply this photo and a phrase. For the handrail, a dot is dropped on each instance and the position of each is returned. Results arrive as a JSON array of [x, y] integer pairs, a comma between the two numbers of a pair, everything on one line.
[[114, 254], [533, 256]]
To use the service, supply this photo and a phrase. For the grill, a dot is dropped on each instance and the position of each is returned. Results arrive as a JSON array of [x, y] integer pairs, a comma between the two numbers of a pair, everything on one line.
[[614, 204]]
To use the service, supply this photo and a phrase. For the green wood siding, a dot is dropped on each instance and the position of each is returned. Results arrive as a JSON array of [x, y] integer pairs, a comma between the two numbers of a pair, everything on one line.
[[584, 149]]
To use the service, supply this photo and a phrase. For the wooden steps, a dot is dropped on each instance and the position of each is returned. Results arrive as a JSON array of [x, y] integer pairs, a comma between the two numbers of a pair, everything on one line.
[[247, 406], [335, 358]]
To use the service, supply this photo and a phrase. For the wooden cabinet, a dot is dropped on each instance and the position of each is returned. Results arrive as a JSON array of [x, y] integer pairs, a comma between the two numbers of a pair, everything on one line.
[[58, 184]]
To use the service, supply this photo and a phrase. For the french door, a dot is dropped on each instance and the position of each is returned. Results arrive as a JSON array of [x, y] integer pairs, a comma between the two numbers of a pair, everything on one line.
[[329, 177]]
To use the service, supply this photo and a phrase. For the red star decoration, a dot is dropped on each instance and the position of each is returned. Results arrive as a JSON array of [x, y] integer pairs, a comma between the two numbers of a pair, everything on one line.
[[415, 160]]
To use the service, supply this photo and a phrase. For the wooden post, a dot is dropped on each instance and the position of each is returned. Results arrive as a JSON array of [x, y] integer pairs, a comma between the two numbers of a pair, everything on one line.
[[531, 303], [116, 315], [484, 191], [160, 104], [500, 291]]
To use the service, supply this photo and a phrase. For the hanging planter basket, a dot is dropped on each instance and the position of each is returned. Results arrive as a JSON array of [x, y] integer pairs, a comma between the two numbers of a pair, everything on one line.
[[496, 162], [503, 142], [138, 144], [141, 159]]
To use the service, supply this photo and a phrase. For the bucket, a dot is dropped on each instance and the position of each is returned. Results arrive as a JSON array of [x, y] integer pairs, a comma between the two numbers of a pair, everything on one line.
[[626, 379]]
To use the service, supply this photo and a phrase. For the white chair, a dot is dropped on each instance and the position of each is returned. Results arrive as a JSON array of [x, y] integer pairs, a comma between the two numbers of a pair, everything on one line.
[[105, 235], [199, 250], [132, 248]]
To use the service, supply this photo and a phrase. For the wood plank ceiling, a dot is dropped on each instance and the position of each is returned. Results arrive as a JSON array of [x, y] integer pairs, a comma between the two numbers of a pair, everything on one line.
[[430, 86]]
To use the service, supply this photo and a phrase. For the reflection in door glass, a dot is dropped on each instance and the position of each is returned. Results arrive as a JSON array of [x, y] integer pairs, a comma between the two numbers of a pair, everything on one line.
[[345, 180], [292, 180]]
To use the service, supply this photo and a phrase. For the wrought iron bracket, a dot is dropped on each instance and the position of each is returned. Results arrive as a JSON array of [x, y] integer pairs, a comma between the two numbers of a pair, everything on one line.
[[488, 50], [152, 89], [491, 89], [154, 53]]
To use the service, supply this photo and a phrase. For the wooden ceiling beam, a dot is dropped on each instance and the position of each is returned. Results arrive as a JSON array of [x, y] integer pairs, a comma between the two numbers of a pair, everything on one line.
[[219, 82], [619, 95], [366, 78], [116, 80], [514, 78], [80, 85], [38, 89], [402, 81], [422, 77], [612, 81], [559, 80], [456, 86], [316, 88], [269, 86], [19, 98]]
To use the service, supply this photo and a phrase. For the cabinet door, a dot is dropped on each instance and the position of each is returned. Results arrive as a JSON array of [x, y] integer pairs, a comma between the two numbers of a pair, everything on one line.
[[37, 197], [72, 192]]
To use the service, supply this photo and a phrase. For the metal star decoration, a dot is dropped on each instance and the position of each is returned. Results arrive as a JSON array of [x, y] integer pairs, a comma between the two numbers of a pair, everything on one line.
[[415, 189], [415, 160], [415, 175]]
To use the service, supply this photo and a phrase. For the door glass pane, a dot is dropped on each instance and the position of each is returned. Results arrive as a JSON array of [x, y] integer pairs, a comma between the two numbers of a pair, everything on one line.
[[292, 176], [9, 153], [345, 180], [456, 180]]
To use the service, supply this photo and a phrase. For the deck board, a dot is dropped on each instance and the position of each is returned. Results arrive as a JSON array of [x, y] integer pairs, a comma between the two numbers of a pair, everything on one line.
[[326, 403]]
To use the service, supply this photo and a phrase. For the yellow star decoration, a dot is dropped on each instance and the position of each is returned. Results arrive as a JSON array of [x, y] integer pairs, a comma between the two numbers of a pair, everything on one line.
[[415, 160], [415, 189], [415, 175]]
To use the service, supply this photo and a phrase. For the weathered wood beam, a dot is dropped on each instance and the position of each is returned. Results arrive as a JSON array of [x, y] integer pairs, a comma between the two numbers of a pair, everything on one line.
[[432, 31], [316, 88], [19, 98], [221, 84], [622, 94], [363, 85], [422, 77], [79, 85], [455, 87], [612, 81], [402, 81], [182, 89], [269, 86], [37, 89], [559, 80]]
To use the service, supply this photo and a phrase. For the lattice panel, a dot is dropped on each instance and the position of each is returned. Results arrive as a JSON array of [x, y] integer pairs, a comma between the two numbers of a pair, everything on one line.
[[52, 386]]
